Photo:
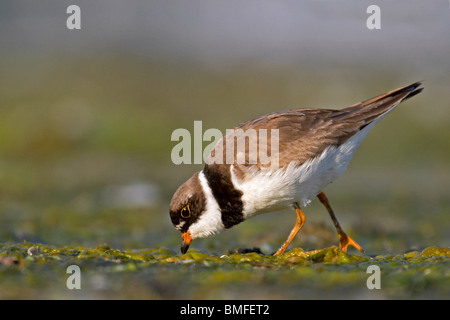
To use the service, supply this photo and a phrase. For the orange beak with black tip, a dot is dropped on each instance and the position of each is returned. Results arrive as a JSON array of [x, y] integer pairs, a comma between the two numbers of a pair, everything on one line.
[[186, 242]]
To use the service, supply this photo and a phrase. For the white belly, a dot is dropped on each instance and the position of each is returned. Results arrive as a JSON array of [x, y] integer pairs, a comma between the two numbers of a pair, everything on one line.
[[279, 189]]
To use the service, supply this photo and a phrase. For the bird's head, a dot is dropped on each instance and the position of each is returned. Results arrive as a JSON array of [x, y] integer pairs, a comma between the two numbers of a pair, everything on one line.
[[192, 212]]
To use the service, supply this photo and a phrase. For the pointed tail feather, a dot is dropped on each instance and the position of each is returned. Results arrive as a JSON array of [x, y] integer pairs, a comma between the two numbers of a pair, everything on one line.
[[401, 93], [369, 110]]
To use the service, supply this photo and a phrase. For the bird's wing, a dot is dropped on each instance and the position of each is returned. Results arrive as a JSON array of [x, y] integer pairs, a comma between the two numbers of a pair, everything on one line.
[[305, 133]]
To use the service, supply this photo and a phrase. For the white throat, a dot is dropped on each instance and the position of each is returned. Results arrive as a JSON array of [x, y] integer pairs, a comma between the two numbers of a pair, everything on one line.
[[210, 221]]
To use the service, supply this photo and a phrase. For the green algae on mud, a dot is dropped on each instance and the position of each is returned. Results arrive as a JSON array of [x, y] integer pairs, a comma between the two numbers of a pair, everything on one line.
[[33, 270], [40, 253]]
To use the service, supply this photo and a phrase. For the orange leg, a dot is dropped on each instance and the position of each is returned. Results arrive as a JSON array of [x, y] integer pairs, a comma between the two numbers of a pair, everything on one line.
[[298, 225], [344, 240]]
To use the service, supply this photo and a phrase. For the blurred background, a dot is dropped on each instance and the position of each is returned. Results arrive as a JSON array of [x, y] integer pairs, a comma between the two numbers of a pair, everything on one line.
[[86, 115]]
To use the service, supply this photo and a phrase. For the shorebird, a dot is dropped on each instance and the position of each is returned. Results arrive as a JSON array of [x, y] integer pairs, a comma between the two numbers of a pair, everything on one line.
[[314, 148]]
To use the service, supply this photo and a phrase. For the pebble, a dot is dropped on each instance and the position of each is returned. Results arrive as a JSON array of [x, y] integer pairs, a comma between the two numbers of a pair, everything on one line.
[[33, 251]]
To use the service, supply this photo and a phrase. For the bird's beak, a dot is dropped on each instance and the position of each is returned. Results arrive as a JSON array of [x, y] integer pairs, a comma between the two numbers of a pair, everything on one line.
[[186, 242]]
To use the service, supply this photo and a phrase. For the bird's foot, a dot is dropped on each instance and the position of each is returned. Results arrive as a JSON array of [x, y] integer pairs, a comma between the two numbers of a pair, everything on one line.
[[345, 241]]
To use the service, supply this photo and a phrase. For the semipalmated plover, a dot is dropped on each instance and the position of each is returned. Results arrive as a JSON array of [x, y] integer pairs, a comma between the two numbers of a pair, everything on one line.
[[314, 148]]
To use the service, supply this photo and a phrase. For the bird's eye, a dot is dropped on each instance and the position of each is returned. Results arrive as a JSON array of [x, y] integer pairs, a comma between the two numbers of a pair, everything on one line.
[[185, 212]]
